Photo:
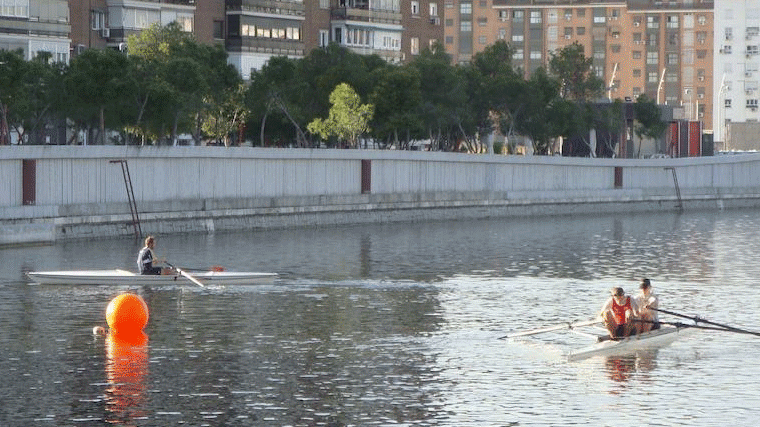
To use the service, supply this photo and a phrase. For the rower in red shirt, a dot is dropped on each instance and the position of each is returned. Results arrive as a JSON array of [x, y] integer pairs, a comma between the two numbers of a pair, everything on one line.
[[619, 314]]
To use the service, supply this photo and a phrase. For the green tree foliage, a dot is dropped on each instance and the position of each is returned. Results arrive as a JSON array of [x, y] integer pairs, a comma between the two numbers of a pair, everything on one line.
[[397, 100], [94, 82], [649, 123], [348, 117], [12, 71], [576, 75]]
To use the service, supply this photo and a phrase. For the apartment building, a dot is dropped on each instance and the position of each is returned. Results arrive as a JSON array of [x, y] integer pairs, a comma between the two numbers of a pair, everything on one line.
[[659, 48], [35, 26], [737, 74]]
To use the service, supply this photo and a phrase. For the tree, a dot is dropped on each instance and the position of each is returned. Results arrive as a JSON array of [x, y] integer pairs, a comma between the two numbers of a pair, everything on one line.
[[222, 118], [543, 115], [397, 103], [95, 80], [12, 71], [442, 91], [348, 117], [576, 74], [649, 119]]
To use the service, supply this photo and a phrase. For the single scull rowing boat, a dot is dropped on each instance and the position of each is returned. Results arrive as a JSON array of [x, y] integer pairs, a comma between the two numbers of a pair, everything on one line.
[[124, 277]]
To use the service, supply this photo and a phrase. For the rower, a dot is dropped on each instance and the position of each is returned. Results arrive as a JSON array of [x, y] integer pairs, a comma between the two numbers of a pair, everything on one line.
[[619, 313], [647, 302], [145, 259]]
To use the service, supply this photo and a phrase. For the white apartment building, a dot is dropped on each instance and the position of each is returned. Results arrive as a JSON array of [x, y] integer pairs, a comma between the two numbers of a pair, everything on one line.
[[736, 75]]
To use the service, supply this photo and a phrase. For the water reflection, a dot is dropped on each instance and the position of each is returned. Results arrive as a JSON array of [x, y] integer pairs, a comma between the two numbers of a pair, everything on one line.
[[622, 368], [127, 375]]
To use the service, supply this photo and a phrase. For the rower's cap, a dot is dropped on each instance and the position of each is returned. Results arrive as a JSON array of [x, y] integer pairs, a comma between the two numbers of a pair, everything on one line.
[[645, 283], [617, 292]]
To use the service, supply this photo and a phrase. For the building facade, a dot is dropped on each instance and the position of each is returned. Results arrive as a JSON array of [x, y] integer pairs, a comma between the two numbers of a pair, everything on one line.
[[659, 48], [737, 74], [34, 26]]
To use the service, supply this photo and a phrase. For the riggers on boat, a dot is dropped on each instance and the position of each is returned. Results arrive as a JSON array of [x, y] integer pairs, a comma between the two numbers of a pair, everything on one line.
[[124, 277]]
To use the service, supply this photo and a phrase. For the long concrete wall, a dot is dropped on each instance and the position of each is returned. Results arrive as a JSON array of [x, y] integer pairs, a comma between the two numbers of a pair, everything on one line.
[[55, 192]]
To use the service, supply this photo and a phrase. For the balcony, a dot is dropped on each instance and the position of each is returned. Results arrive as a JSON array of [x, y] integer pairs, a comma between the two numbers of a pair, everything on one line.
[[366, 15], [275, 7]]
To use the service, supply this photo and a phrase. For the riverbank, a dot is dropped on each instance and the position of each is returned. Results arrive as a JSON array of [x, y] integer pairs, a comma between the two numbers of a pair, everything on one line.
[[59, 193]]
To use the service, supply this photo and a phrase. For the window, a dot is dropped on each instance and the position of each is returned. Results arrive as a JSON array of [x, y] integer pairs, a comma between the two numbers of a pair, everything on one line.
[[324, 38], [535, 54], [637, 73], [324, 4], [753, 31], [701, 37], [752, 103], [653, 22], [482, 22], [636, 54], [671, 21], [753, 50], [519, 54], [449, 40], [218, 29], [465, 8], [672, 59], [580, 13], [185, 23], [415, 8], [503, 15], [652, 77], [615, 48], [580, 31], [728, 33], [726, 49], [636, 38], [518, 15], [702, 20], [433, 10], [568, 14], [414, 45], [482, 40], [535, 17], [518, 37], [449, 22], [636, 91], [465, 26], [727, 103], [502, 33], [98, 19]]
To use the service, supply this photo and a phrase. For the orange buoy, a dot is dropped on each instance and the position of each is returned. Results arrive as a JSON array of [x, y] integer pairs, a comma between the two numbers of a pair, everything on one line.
[[127, 313]]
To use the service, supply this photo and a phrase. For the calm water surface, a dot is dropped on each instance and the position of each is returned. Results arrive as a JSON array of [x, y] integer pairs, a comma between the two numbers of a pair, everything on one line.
[[392, 325]]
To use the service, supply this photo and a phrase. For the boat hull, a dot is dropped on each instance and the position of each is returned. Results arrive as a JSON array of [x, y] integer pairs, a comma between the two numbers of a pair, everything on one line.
[[656, 338], [123, 277]]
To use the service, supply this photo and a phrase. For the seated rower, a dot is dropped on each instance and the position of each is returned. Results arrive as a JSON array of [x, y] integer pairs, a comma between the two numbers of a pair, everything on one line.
[[145, 259], [647, 301], [619, 314]]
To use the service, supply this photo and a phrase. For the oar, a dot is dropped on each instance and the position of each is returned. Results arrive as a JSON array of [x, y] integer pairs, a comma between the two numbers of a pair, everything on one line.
[[552, 328], [188, 276], [698, 319], [688, 325]]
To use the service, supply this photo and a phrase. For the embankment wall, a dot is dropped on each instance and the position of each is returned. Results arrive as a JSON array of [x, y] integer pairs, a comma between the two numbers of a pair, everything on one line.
[[56, 192]]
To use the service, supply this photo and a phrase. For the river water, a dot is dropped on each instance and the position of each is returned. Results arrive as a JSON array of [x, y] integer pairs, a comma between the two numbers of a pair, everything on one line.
[[392, 324]]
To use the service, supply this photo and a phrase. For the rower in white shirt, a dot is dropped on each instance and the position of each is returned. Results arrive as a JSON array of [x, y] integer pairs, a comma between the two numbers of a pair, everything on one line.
[[647, 301]]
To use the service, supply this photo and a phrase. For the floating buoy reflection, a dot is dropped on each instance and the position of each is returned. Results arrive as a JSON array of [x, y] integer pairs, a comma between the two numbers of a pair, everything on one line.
[[126, 372]]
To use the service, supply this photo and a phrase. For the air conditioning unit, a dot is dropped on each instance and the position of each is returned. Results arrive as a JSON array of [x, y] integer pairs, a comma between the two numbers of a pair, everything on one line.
[[701, 78], [636, 23], [105, 33], [435, 20], [567, 36]]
